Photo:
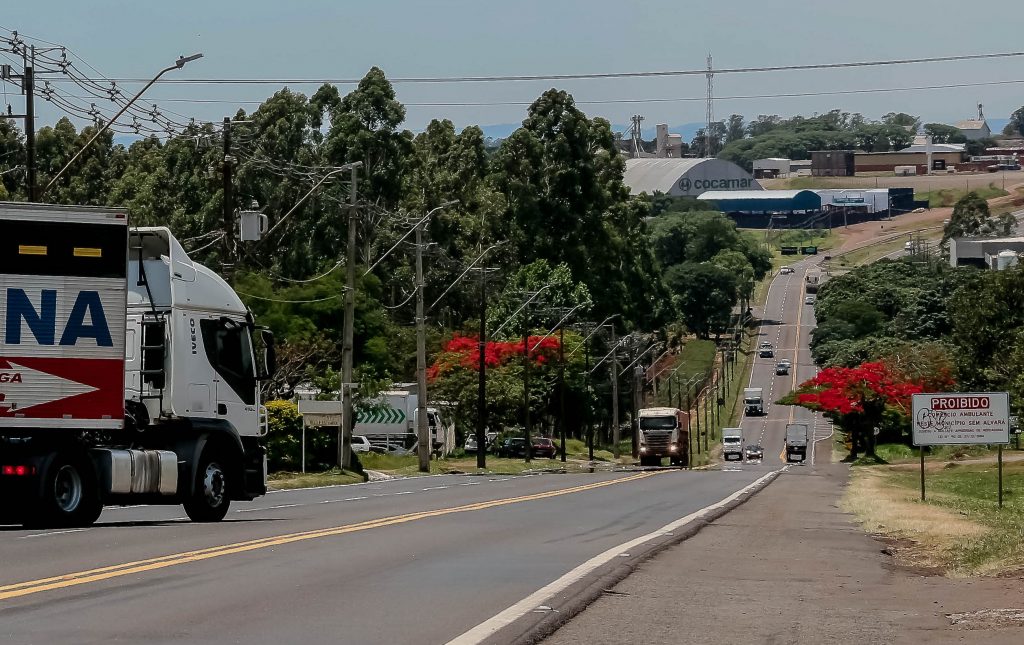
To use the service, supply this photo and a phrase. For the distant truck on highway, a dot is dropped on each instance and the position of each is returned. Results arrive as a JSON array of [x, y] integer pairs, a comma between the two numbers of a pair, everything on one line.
[[796, 442], [753, 401], [128, 372], [732, 443], [664, 433], [392, 423]]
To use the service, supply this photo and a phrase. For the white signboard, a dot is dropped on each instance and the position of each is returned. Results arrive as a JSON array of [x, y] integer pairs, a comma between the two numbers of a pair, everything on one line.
[[961, 418], [318, 414]]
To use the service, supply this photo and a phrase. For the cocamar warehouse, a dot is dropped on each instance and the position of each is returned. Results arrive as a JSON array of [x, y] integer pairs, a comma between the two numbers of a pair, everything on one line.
[[736, 192]]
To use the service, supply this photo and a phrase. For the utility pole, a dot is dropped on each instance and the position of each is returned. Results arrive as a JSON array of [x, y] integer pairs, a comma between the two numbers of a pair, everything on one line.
[[347, 420], [586, 404], [615, 395], [228, 213], [561, 387], [481, 395], [526, 387], [422, 429], [27, 83]]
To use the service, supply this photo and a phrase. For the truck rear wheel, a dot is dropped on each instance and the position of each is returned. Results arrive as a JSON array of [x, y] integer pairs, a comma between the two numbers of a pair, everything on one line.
[[209, 500], [69, 495]]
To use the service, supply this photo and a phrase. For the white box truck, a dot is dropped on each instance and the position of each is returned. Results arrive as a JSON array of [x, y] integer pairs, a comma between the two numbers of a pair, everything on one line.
[[753, 401], [732, 443], [390, 423], [127, 372]]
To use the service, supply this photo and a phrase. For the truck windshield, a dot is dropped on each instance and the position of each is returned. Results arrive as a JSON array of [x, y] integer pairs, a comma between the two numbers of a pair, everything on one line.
[[657, 423], [752, 399], [731, 440], [229, 350]]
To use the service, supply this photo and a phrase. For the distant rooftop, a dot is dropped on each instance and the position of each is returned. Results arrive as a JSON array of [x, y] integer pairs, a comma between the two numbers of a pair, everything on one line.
[[971, 124]]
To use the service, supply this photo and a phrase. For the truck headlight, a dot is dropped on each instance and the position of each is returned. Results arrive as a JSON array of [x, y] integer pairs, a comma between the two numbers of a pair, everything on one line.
[[643, 448], [673, 448]]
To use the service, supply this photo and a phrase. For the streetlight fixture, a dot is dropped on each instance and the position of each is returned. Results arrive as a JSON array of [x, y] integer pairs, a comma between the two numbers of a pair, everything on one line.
[[178, 64]]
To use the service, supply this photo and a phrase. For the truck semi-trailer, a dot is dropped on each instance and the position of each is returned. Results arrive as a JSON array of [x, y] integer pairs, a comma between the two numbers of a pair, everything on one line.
[[129, 372], [391, 423], [664, 432]]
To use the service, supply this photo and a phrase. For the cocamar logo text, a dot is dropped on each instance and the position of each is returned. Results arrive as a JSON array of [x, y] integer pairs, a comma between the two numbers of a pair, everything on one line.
[[686, 184]]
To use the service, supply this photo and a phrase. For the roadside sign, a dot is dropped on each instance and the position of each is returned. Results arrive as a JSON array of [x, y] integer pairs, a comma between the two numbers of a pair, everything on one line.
[[319, 414], [959, 418]]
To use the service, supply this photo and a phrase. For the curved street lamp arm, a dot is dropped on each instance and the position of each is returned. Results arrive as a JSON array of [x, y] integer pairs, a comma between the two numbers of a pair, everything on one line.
[[106, 126]]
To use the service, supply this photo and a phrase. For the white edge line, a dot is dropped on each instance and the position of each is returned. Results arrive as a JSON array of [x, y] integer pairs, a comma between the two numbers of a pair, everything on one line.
[[525, 606]]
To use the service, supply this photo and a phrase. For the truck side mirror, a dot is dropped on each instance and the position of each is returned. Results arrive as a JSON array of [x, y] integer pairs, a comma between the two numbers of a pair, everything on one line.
[[269, 354]]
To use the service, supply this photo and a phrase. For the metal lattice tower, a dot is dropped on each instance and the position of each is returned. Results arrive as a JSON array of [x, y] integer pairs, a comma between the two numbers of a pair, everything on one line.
[[708, 139]]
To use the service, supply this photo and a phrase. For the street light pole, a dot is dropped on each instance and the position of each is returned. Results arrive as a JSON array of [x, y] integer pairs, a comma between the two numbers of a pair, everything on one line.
[[178, 64]]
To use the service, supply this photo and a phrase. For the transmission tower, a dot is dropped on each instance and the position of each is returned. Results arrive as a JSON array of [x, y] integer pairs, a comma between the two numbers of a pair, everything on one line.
[[708, 139]]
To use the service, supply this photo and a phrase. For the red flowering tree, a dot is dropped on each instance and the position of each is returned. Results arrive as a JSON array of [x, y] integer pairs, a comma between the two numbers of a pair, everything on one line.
[[455, 372], [858, 399]]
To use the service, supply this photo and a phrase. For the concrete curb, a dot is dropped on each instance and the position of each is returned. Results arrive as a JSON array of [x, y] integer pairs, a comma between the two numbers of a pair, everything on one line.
[[579, 596]]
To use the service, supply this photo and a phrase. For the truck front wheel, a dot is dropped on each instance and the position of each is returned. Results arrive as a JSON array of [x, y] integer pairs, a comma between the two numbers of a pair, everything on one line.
[[70, 494], [209, 500]]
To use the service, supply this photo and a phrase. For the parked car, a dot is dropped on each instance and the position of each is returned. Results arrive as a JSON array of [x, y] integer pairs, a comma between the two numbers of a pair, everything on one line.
[[753, 451], [360, 444], [470, 447], [809, 300], [544, 447], [782, 368], [514, 447]]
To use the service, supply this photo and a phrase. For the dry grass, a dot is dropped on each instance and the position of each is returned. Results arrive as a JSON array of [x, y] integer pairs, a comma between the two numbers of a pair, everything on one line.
[[935, 534]]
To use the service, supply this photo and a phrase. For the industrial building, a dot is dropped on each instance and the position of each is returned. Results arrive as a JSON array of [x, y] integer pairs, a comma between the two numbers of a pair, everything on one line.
[[873, 200], [974, 129], [686, 177], [911, 161], [832, 163], [764, 201], [985, 252]]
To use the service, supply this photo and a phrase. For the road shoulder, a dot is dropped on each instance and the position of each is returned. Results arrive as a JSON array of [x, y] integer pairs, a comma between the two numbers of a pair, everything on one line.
[[791, 567]]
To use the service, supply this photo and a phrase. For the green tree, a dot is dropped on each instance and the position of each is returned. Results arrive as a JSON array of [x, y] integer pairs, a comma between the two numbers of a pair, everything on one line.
[[704, 295], [942, 133], [971, 217], [1016, 125], [734, 128], [903, 120], [987, 317]]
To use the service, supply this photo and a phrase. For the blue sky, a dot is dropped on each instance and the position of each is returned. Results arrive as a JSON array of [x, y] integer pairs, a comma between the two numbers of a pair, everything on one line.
[[342, 39]]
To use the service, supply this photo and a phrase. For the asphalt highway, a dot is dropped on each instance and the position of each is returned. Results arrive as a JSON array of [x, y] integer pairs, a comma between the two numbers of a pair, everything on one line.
[[786, 323], [418, 560]]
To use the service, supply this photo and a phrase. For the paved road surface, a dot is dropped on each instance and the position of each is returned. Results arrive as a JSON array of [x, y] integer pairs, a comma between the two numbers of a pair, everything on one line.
[[787, 324], [375, 575], [419, 560]]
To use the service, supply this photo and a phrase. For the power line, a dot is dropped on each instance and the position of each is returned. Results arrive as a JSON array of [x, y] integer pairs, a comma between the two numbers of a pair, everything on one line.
[[567, 77], [677, 99]]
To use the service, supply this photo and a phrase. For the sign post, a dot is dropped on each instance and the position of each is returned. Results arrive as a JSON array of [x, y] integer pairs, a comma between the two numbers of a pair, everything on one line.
[[319, 414], [962, 418]]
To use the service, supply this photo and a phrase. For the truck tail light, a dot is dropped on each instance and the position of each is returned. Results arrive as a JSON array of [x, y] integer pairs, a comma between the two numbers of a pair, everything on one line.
[[19, 470]]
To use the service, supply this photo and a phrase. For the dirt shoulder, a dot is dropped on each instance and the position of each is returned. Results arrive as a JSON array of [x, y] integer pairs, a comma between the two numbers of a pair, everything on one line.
[[790, 567]]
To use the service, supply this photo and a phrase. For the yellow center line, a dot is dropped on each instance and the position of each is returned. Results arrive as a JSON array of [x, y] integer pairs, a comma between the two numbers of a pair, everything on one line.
[[796, 359], [140, 566]]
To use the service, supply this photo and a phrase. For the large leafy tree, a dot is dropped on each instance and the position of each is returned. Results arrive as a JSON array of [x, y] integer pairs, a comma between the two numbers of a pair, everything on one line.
[[704, 294], [987, 318], [1015, 127], [971, 217], [562, 180]]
